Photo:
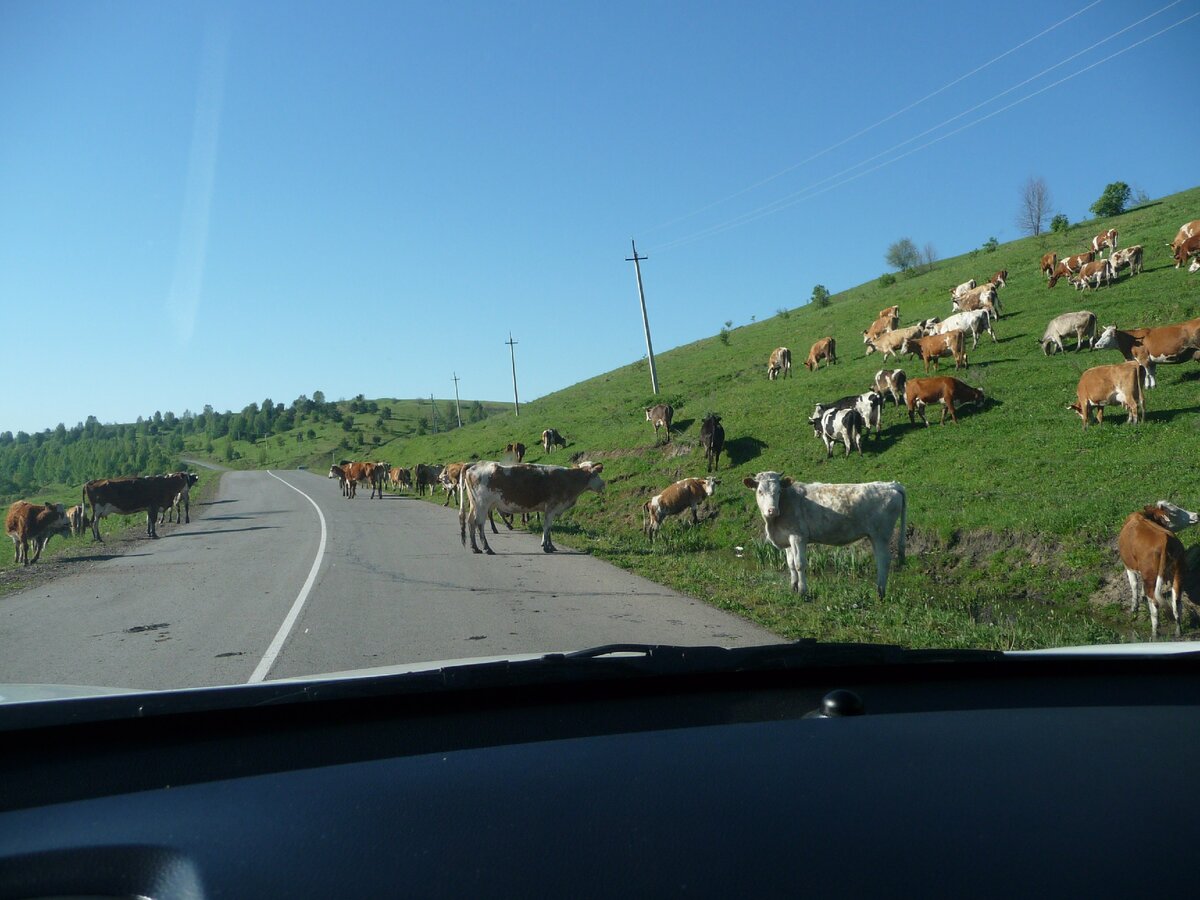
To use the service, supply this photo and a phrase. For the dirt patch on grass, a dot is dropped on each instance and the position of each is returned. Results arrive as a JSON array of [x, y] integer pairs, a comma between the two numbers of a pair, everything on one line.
[[977, 546]]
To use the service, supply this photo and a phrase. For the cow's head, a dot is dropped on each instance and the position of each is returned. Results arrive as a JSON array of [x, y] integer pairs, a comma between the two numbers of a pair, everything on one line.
[[767, 487], [710, 485], [1173, 517], [874, 398], [595, 482], [815, 419], [1107, 339], [871, 348], [1195, 266]]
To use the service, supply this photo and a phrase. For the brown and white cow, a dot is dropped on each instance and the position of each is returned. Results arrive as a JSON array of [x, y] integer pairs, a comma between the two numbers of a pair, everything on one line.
[[550, 490], [1122, 385], [889, 344], [973, 322], [372, 473], [922, 392], [934, 346], [1154, 558], [682, 495], [400, 477], [1105, 239], [515, 450], [552, 439], [880, 326], [1070, 266], [1093, 274], [824, 349], [1163, 344], [999, 279], [796, 515], [983, 297], [661, 416], [340, 475], [1188, 247], [32, 523], [78, 518], [1130, 257], [780, 363], [450, 480], [890, 312], [1049, 263], [960, 290], [125, 496], [1186, 230], [891, 382], [1082, 324]]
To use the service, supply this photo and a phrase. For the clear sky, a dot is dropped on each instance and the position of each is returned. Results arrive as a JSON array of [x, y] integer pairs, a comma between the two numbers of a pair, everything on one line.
[[220, 202]]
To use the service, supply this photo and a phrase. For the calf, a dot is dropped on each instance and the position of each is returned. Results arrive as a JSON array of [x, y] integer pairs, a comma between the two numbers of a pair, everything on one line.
[[661, 415], [796, 514], [1153, 555], [921, 392], [824, 349], [340, 475], [181, 509], [891, 382], [972, 323], [1049, 264], [31, 523], [686, 494], [1081, 324], [551, 490], [1187, 247], [1105, 239], [712, 439], [1130, 257], [931, 348], [780, 363], [552, 439], [515, 450], [1108, 386], [1092, 274], [833, 425], [1070, 266]]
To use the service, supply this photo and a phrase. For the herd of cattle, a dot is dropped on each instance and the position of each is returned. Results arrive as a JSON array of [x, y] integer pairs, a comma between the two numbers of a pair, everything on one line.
[[794, 514]]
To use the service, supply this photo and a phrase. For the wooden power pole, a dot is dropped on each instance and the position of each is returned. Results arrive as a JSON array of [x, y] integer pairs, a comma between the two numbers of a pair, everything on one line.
[[635, 259], [457, 410], [513, 355]]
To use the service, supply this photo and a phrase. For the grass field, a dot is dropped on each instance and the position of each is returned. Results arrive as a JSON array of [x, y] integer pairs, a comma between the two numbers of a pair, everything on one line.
[[1014, 511]]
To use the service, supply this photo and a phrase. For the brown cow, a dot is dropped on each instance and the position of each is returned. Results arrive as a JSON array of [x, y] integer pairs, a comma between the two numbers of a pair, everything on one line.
[[450, 479], [124, 496], [31, 523], [516, 450], [400, 477], [1187, 247], [932, 347], [880, 326], [686, 494], [1070, 266], [1049, 263], [1092, 274], [1105, 239], [1153, 556], [780, 363], [824, 349], [889, 344], [1186, 230], [661, 415], [921, 392], [1164, 344], [1102, 386]]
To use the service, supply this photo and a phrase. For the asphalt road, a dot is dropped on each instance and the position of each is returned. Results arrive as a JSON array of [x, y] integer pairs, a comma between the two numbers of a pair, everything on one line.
[[262, 585]]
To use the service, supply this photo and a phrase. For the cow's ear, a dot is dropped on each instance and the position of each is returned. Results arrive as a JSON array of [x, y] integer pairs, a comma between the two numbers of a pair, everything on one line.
[[597, 468], [751, 483], [786, 481]]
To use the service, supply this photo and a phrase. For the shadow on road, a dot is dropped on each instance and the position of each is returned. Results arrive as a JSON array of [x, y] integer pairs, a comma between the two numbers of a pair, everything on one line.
[[220, 531]]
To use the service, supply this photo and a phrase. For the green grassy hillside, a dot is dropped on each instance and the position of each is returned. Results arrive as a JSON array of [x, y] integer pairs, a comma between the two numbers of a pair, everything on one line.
[[1014, 511]]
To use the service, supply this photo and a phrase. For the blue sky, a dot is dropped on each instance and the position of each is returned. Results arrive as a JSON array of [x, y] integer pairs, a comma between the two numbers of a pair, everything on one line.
[[213, 203]]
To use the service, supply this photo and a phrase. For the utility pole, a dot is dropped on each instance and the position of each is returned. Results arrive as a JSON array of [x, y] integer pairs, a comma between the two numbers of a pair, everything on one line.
[[433, 414], [635, 259], [513, 354], [457, 411]]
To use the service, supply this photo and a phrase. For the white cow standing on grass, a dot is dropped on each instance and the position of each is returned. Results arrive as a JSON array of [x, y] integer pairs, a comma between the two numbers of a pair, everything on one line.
[[796, 514]]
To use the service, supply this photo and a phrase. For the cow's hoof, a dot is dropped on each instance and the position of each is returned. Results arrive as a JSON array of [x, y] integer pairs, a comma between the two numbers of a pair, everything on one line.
[[490, 552], [476, 550]]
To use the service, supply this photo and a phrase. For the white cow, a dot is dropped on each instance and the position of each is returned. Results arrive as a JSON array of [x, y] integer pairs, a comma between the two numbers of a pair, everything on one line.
[[1082, 324], [796, 514], [962, 289], [891, 382], [972, 322]]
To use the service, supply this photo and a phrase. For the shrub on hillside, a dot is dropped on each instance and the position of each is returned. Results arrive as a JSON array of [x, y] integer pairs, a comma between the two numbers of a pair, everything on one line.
[[1059, 224], [1112, 202], [887, 279]]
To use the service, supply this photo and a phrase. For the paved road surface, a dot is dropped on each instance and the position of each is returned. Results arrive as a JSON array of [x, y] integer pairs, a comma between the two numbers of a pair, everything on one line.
[[210, 602]]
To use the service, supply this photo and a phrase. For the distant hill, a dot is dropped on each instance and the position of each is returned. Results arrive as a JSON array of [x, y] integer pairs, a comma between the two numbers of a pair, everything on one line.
[[1014, 511]]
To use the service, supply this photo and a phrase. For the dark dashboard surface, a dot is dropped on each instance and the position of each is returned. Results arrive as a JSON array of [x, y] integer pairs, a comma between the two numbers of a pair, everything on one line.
[[1035, 778]]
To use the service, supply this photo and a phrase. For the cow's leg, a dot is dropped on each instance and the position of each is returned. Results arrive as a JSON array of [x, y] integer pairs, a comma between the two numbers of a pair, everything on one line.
[[799, 564], [477, 526], [695, 519], [39, 545], [1176, 605], [151, 517], [547, 544], [1135, 589], [883, 561]]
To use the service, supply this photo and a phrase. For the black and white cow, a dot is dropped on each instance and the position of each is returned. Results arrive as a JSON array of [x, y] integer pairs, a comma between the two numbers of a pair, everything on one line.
[[833, 425]]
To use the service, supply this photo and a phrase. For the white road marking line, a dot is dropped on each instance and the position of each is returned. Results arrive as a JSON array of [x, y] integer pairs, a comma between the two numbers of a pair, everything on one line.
[[268, 660]]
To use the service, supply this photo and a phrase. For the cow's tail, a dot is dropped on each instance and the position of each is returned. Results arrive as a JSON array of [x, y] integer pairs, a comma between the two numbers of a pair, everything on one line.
[[903, 526], [466, 505]]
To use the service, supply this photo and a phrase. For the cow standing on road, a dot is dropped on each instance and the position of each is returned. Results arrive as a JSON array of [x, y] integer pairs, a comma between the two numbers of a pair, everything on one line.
[[125, 496]]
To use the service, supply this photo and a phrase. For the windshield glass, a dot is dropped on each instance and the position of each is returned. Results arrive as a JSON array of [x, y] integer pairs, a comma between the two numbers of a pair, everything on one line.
[[358, 336]]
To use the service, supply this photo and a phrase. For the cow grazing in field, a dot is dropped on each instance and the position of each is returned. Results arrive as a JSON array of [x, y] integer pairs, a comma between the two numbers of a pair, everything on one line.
[[962, 289], [1082, 324], [450, 480], [780, 363], [1102, 386], [552, 439], [891, 382], [1105, 239], [427, 477], [1188, 247], [1154, 558], [682, 495], [934, 346], [1186, 230], [661, 415], [824, 349], [972, 323], [1093, 274], [1049, 264], [1070, 266], [550, 490], [1130, 257], [1163, 344], [796, 514], [125, 496], [32, 523], [515, 450], [181, 509], [922, 392], [983, 297], [879, 327], [889, 344], [712, 439], [892, 312], [833, 425]]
